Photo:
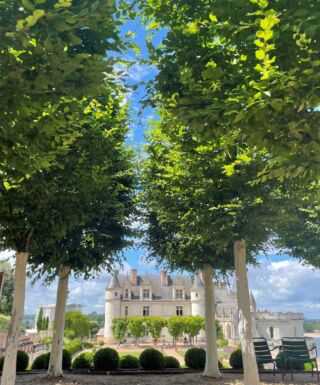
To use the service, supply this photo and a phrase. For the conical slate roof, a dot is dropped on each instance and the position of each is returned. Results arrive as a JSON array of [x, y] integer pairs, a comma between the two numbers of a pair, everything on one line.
[[197, 282], [114, 282]]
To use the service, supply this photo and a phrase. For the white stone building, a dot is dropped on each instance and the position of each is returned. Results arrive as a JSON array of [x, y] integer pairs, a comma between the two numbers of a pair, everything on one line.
[[168, 295], [49, 311]]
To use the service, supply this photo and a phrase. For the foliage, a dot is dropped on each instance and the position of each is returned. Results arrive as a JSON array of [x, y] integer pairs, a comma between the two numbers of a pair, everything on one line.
[[35, 34], [137, 327], [73, 346], [151, 359], [198, 200], [83, 361], [251, 65], [222, 342], [78, 323], [4, 322], [40, 320], [7, 288], [235, 359], [129, 362], [106, 359], [22, 361], [170, 362], [175, 327], [101, 343], [94, 328], [119, 328], [193, 325], [155, 326], [195, 358], [283, 364], [311, 325], [87, 345], [41, 362], [219, 330], [96, 317]]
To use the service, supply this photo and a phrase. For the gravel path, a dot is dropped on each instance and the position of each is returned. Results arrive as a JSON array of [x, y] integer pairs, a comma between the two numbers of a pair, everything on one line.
[[182, 379]]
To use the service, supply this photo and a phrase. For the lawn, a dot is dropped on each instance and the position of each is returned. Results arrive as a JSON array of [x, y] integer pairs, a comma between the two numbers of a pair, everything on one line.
[[135, 354]]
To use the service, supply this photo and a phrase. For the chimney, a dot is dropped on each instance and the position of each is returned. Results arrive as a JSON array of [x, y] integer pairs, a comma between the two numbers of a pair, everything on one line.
[[133, 276], [164, 278]]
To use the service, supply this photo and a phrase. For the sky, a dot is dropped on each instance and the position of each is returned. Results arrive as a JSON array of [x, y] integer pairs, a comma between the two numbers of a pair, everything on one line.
[[280, 284]]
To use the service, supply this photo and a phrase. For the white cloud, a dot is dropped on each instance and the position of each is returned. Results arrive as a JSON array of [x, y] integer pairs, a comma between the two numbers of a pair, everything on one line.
[[286, 285], [144, 263]]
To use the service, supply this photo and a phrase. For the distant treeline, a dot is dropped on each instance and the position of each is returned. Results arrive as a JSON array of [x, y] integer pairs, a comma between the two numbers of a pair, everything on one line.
[[311, 325]]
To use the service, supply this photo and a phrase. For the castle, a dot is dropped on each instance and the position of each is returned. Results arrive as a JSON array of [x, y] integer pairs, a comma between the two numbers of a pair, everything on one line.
[[168, 295]]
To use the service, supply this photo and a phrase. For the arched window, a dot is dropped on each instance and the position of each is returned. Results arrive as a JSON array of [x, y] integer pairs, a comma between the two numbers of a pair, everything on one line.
[[271, 332]]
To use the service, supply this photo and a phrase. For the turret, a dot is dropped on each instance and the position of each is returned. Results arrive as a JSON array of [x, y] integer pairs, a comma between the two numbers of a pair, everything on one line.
[[197, 297], [112, 305]]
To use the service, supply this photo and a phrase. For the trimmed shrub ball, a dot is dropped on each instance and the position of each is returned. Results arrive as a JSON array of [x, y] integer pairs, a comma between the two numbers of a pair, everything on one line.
[[281, 364], [41, 362], [22, 361], [106, 359], [235, 359], [83, 361], [171, 362], [129, 362], [195, 358], [151, 359]]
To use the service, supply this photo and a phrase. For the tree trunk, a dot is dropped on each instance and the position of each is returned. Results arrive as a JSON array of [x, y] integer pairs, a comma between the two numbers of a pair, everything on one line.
[[9, 367], [250, 369], [55, 363], [212, 368]]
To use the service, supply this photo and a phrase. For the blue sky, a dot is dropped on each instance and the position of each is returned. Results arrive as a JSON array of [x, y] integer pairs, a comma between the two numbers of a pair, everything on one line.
[[279, 284]]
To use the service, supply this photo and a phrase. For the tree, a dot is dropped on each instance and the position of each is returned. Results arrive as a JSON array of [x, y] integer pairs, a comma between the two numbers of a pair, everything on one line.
[[40, 320], [99, 192], [137, 327], [155, 326], [250, 65], [175, 327], [7, 288], [199, 199], [193, 325], [47, 58], [78, 323], [119, 328]]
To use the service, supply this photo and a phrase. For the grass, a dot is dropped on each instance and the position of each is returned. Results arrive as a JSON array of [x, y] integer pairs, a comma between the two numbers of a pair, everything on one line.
[[135, 354]]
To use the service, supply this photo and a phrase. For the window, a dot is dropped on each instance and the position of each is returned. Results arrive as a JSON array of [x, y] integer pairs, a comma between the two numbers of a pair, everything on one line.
[[146, 293], [126, 293], [271, 332], [126, 311], [179, 310], [179, 293], [115, 294], [146, 311], [196, 295]]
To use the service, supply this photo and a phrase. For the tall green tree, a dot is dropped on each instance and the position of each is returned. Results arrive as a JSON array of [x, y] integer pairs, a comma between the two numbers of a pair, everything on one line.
[[7, 288], [155, 326], [100, 193], [137, 327], [78, 323], [40, 320], [199, 199], [119, 328], [47, 58]]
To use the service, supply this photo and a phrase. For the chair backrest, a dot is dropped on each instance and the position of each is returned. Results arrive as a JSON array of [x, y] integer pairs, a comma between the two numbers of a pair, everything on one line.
[[262, 350], [295, 347]]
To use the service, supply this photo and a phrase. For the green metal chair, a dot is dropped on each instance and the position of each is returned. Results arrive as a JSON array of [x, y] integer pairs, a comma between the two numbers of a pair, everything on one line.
[[263, 352], [295, 349]]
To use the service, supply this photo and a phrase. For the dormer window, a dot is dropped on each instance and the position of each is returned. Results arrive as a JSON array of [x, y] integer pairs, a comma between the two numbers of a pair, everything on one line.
[[179, 293], [126, 293], [146, 293], [115, 294]]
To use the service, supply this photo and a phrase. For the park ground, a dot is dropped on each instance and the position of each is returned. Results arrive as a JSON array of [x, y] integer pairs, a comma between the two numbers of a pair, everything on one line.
[[185, 379]]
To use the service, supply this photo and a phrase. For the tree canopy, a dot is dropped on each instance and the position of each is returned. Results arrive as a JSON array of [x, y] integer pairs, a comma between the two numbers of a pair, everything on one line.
[[242, 64]]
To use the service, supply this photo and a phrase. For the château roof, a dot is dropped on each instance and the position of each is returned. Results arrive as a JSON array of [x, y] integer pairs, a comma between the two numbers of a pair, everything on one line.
[[114, 282]]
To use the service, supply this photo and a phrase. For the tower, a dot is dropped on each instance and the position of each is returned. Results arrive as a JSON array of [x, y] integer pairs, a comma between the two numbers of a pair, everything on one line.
[[112, 306], [197, 297]]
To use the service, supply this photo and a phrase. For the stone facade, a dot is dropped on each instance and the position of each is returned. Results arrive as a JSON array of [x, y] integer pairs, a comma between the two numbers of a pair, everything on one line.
[[169, 295]]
